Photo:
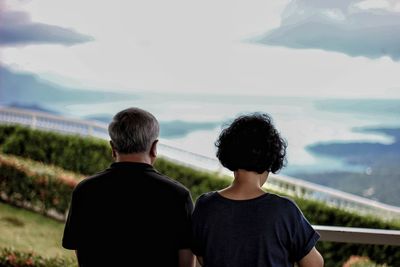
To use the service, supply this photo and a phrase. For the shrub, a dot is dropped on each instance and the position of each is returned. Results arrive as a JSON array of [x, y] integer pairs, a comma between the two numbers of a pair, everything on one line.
[[35, 185], [197, 181], [6, 131], [71, 152], [12, 258], [336, 253], [357, 261]]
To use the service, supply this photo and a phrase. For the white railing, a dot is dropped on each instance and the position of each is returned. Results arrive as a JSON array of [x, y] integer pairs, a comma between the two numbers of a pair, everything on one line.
[[289, 185], [333, 197], [358, 235]]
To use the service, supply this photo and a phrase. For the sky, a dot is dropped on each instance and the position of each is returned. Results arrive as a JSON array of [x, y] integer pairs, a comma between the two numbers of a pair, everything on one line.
[[341, 48]]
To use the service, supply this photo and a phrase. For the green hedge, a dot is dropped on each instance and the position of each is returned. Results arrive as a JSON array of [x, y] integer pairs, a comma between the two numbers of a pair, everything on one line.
[[357, 261], [35, 185], [197, 181], [71, 152], [79, 151], [12, 258], [336, 253], [7, 131]]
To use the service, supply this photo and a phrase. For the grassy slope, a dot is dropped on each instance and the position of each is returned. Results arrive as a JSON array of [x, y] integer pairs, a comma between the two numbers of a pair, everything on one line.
[[28, 231]]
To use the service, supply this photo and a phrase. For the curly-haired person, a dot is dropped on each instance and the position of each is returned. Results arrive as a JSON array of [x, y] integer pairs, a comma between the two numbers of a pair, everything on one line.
[[242, 225]]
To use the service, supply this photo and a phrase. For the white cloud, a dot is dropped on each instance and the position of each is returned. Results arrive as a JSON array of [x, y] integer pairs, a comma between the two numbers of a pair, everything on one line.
[[194, 46], [370, 4], [357, 28]]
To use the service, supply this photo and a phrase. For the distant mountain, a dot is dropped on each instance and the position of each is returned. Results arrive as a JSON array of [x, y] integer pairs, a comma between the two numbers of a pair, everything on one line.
[[33, 107], [360, 106], [27, 88], [104, 118], [361, 152], [168, 129], [174, 129], [379, 173]]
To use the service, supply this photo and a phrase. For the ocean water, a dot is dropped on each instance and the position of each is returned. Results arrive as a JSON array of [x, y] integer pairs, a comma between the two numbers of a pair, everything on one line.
[[301, 121]]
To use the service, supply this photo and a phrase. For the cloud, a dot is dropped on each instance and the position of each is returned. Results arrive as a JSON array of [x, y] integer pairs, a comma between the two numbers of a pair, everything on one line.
[[357, 28], [16, 28]]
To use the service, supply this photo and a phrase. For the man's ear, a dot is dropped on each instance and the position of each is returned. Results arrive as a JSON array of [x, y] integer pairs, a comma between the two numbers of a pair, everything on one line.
[[113, 151], [153, 149]]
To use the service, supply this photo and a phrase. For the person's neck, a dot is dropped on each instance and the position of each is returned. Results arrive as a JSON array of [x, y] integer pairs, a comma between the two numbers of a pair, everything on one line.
[[246, 185], [136, 157]]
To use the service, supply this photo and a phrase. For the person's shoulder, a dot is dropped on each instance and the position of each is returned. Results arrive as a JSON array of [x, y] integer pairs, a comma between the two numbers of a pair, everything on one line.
[[206, 198], [283, 202], [90, 181], [170, 184]]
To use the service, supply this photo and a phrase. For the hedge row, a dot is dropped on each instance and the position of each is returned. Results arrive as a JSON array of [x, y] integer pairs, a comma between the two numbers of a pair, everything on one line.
[[31, 184], [71, 152], [357, 261], [198, 182], [12, 258], [335, 253], [89, 155]]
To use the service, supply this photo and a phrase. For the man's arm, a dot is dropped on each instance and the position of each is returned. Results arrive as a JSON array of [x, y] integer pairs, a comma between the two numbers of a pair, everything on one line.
[[186, 258], [312, 259]]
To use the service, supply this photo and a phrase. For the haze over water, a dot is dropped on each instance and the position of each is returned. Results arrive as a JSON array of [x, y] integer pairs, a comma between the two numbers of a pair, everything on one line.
[[301, 121]]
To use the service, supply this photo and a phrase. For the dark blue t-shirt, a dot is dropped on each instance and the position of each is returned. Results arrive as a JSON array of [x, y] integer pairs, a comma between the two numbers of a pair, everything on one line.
[[265, 231]]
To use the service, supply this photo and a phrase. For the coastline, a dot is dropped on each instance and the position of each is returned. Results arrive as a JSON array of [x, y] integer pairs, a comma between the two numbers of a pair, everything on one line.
[[379, 172]]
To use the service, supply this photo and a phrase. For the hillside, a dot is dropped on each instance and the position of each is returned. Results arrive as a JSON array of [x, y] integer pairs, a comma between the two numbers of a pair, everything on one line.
[[379, 163]]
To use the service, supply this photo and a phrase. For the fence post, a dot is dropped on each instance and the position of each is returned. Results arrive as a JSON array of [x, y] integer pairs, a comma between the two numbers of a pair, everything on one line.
[[34, 121]]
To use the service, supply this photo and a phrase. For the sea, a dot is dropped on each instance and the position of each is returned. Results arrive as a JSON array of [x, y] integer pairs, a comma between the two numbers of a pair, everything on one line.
[[302, 121]]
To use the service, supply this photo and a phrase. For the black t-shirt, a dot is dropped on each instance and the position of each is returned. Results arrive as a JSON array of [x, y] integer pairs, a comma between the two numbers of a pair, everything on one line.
[[128, 215], [267, 231]]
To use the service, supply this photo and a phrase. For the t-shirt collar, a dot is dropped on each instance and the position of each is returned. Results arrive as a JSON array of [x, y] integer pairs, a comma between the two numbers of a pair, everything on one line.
[[130, 164]]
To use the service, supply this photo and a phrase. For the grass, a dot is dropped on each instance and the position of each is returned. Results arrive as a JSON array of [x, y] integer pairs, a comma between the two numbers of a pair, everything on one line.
[[27, 231]]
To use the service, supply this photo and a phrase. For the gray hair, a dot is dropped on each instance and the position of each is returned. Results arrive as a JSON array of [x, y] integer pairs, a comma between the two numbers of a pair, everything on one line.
[[133, 130]]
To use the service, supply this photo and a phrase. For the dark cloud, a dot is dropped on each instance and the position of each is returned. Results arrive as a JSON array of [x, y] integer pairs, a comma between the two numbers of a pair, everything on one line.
[[16, 28], [340, 26]]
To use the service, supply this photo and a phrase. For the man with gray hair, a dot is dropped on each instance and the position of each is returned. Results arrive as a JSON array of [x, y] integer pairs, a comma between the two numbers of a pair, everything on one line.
[[130, 214]]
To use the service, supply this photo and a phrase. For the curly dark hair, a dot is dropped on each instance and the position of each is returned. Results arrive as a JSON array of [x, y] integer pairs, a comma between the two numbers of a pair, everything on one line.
[[252, 143]]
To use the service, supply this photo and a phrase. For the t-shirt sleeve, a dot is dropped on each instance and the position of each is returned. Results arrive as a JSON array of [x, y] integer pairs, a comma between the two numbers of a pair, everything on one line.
[[72, 226], [305, 237], [185, 229]]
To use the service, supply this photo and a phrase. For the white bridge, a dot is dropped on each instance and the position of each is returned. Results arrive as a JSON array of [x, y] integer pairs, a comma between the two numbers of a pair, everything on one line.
[[289, 185]]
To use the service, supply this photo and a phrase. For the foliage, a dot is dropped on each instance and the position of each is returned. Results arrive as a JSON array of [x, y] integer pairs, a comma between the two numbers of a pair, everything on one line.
[[7, 131], [35, 185], [71, 152], [12, 258], [335, 253], [197, 181], [357, 261]]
